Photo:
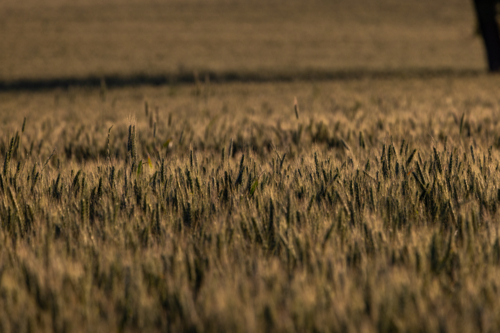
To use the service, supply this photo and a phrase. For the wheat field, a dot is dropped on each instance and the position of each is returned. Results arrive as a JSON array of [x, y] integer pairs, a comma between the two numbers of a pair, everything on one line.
[[366, 205], [257, 166]]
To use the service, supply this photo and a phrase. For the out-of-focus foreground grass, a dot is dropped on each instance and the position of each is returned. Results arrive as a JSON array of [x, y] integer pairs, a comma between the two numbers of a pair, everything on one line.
[[215, 208]]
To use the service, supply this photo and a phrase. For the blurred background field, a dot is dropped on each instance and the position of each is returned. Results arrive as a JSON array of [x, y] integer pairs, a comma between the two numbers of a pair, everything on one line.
[[78, 39]]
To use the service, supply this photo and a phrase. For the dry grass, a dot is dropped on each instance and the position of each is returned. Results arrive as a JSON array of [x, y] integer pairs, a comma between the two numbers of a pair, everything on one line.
[[252, 220]]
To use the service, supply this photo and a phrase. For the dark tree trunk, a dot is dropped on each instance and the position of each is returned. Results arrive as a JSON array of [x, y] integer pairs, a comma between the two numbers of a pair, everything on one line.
[[486, 17]]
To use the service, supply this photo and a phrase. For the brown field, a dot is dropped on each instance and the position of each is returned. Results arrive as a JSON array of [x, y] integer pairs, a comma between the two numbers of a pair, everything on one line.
[[328, 223], [371, 205], [62, 38]]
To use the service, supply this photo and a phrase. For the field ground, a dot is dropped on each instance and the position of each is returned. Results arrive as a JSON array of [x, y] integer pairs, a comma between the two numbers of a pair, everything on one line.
[[215, 208], [77, 39]]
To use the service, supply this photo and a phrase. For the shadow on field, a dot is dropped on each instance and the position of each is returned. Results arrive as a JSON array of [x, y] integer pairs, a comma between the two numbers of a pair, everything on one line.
[[117, 81]]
